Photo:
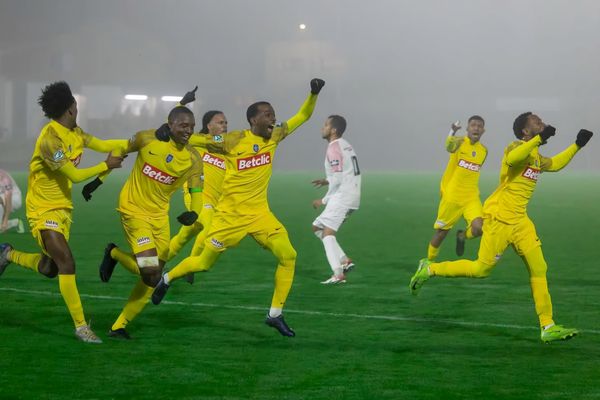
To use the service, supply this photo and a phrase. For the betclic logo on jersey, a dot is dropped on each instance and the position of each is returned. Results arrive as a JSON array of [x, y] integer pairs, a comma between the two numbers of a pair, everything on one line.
[[531, 173], [158, 175], [254, 161], [471, 166], [212, 160]]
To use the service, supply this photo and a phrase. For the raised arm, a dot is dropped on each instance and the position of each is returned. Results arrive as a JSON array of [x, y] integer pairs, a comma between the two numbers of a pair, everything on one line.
[[307, 108], [562, 159]]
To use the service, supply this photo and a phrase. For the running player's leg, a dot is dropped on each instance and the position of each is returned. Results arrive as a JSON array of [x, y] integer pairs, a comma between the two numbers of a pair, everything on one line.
[[448, 215], [205, 218], [272, 235], [472, 213], [149, 240], [528, 246], [55, 244], [496, 237], [185, 234]]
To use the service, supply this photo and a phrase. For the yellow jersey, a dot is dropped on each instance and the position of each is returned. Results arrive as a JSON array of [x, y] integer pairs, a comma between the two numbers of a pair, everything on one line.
[[214, 173], [249, 162], [159, 170], [47, 188], [460, 182], [518, 179]]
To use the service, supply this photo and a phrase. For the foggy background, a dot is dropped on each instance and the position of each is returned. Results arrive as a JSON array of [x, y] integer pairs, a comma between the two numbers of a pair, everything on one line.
[[400, 71]]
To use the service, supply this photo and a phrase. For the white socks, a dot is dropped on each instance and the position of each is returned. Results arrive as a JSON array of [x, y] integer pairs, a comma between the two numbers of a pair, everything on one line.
[[274, 312], [334, 253]]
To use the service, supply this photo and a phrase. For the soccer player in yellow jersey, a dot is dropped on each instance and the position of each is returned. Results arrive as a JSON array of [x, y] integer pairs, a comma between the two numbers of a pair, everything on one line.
[[243, 208], [162, 166], [459, 188], [214, 123], [52, 172], [507, 223]]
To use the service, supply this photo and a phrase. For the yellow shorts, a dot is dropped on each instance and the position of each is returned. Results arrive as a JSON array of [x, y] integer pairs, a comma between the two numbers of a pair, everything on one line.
[[53, 220], [449, 213], [497, 236], [227, 229], [147, 233]]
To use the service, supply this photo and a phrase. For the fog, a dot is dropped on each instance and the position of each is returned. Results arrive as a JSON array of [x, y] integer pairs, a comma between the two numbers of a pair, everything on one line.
[[400, 71]]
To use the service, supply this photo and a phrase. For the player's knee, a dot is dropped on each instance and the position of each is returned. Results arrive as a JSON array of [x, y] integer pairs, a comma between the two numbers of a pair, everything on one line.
[[482, 270], [48, 267], [287, 256], [151, 278]]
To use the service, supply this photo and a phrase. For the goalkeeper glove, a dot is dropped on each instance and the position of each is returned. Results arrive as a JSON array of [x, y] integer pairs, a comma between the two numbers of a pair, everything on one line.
[[583, 137], [187, 218], [89, 188], [548, 131], [163, 133], [189, 97], [316, 85]]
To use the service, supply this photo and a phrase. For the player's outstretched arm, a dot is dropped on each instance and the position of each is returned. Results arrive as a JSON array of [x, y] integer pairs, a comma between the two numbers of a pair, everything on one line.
[[562, 159], [117, 146], [77, 175], [519, 153], [307, 108], [320, 183]]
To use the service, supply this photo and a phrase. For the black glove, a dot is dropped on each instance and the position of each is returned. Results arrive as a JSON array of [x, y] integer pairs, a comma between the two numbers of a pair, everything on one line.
[[316, 85], [189, 97], [89, 188], [187, 218], [548, 131], [163, 133], [583, 137]]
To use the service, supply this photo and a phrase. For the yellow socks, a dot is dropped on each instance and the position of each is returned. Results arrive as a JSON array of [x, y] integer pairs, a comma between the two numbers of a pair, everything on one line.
[[127, 260], [460, 268], [284, 276], [199, 243], [135, 304], [27, 260], [188, 265], [68, 289], [183, 236], [539, 285], [432, 252]]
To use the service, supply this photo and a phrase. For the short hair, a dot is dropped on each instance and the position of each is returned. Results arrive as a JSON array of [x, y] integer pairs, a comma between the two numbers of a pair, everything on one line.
[[177, 111], [520, 123], [56, 99], [476, 118], [207, 117], [338, 122], [253, 109]]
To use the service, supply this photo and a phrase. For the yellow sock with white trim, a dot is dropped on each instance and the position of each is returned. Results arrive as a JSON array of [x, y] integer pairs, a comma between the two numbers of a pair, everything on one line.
[[68, 289], [135, 304], [27, 260], [125, 259]]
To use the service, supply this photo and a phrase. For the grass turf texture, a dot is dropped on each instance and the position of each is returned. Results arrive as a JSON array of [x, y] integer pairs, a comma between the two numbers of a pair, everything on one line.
[[366, 339]]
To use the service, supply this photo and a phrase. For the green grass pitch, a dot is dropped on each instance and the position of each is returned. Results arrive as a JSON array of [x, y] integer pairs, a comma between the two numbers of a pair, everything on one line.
[[367, 339]]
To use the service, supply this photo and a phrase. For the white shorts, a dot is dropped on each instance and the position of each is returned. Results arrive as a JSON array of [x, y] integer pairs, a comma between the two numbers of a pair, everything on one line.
[[17, 202], [333, 216]]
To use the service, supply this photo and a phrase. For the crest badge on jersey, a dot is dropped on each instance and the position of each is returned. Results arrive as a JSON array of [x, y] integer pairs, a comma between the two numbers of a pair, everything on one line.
[[255, 148], [169, 158], [218, 139], [58, 155]]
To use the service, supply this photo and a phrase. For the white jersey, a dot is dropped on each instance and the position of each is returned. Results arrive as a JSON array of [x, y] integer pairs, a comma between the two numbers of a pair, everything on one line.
[[343, 175]]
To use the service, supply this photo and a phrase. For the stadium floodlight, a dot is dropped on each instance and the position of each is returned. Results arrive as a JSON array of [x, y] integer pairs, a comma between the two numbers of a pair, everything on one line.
[[171, 98], [302, 26], [136, 97]]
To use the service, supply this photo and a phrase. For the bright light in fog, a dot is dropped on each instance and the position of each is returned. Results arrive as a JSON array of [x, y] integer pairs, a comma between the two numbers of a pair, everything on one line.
[[302, 26], [171, 98], [136, 97]]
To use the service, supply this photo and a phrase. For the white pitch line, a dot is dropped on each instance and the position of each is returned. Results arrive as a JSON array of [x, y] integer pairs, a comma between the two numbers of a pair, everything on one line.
[[306, 312]]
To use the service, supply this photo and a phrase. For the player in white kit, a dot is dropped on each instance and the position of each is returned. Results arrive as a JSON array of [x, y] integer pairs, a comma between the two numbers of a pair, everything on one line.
[[342, 198], [10, 201]]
